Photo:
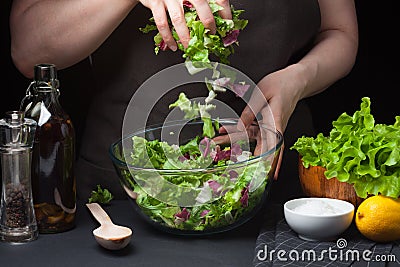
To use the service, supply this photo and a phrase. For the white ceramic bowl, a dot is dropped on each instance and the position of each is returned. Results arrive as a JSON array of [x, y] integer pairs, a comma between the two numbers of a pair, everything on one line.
[[318, 219]]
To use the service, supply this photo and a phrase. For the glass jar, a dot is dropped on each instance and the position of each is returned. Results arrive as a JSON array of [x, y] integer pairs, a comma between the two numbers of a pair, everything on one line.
[[53, 179], [17, 217]]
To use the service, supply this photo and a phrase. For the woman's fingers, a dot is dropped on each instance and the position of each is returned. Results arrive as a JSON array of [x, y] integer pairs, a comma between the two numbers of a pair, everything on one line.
[[264, 135], [177, 16], [274, 125], [226, 12], [231, 135], [174, 8], [256, 103], [161, 20], [205, 15], [231, 138], [278, 166]]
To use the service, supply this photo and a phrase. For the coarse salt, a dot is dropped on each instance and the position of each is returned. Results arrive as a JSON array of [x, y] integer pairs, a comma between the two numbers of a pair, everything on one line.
[[317, 207]]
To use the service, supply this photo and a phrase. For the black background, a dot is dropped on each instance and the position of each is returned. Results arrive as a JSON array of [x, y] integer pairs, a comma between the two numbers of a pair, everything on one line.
[[374, 74]]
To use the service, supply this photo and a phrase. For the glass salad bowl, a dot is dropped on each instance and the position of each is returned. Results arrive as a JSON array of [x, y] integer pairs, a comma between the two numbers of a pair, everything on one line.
[[184, 183]]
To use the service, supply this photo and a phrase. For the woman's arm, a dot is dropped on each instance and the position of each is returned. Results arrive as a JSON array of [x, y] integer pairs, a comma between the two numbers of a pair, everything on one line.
[[62, 32], [335, 50], [331, 58]]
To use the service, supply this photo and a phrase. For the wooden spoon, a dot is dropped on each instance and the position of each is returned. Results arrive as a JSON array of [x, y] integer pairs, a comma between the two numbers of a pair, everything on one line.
[[109, 235]]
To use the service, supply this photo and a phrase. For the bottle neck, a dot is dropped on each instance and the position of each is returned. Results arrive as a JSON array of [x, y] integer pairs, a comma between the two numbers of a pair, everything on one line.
[[42, 100], [47, 95]]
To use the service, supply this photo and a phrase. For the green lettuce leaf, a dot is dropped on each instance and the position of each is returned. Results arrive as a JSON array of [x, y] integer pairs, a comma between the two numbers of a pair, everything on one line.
[[101, 196]]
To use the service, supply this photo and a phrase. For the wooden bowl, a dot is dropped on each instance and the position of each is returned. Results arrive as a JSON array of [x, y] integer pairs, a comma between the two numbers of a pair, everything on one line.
[[315, 184]]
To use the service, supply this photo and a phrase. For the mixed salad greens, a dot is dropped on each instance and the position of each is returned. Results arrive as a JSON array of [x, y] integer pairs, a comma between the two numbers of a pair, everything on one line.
[[226, 193], [201, 47], [225, 189], [359, 152], [202, 43]]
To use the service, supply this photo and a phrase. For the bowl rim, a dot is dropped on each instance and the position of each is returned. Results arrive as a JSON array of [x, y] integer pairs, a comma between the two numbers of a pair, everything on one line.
[[234, 165], [349, 207]]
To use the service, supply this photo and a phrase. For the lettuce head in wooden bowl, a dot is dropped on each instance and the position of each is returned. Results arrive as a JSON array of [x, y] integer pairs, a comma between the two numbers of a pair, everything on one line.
[[358, 159]]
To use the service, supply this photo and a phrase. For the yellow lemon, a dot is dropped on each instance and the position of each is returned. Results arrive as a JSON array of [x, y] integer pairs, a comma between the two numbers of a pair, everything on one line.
[[378, 218]]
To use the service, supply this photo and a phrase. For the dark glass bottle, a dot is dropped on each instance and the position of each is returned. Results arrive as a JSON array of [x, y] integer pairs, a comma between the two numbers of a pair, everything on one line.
[[53, 179]]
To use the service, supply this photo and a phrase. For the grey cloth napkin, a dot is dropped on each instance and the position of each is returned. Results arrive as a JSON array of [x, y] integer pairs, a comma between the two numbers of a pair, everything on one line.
[[278, 245]]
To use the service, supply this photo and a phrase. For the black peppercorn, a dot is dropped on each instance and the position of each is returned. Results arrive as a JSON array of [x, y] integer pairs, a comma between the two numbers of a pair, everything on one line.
[[16, 202]]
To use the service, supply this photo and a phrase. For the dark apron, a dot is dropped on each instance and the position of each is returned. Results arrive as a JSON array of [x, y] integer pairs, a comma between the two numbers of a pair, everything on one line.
[[279, 32]]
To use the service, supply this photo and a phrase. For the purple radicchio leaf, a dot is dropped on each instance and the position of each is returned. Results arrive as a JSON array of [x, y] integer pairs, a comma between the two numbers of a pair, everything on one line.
[[236, 150], [245, 197], [162, 45], [240, 89], [182, 216], [187, 4], [184, 157], [222, 82], [215, 186], [233, 175], [204, 213], [214, 152], [231, 38], [222, 155], [204, 146]]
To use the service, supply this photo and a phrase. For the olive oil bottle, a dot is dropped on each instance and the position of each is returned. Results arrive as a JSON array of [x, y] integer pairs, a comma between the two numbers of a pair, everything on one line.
[[53, 179]]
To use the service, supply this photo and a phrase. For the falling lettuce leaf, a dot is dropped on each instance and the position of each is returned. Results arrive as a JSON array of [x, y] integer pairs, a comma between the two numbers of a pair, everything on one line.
[[195, 110]]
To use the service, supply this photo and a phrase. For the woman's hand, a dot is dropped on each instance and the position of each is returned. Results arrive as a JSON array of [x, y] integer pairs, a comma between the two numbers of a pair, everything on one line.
[[275, 100], [280, 90], [162, 9]]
